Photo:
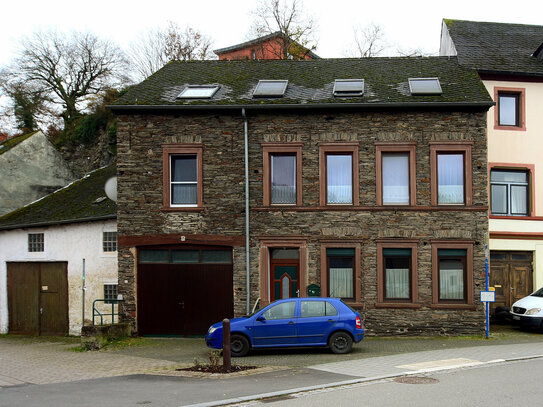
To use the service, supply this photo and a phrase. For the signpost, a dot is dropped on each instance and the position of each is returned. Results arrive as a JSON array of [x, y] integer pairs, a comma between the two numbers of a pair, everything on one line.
[[487, 296]]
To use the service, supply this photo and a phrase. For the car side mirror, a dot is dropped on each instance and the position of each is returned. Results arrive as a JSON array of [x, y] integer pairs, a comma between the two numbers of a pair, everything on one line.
[[261, 318]]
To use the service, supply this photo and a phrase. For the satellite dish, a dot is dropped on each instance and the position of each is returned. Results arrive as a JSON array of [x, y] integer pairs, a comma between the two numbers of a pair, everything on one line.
[[111, 188]]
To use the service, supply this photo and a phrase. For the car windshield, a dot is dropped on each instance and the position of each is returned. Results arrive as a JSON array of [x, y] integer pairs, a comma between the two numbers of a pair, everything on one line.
[[538, 293]]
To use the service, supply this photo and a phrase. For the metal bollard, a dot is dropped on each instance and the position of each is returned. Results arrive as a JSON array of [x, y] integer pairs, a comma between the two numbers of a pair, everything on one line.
[[226, 352]]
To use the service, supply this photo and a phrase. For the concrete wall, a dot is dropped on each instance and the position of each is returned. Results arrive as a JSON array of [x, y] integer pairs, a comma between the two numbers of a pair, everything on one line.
[[67, 243], [140, 140], [31, 170]]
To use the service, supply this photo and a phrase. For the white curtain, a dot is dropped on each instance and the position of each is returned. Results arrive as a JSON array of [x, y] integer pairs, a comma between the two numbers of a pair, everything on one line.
[[341, 282], [519, 204], [339, 176], [451, 280], [450, 169], [283, 179], [395, 178], [397, 283]]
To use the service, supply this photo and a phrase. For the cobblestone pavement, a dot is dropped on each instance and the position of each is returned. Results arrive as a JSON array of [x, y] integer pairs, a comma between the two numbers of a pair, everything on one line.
[[31, 362], [28, 360]]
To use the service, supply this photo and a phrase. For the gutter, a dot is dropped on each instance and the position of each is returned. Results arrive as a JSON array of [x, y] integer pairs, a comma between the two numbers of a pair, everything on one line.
[[60, 222], [307, 106], [247, 258]]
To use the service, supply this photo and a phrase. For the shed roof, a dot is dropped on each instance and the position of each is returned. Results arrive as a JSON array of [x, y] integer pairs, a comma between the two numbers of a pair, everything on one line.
[[81, 201], [310, 84], [497, 47], [8, 144]]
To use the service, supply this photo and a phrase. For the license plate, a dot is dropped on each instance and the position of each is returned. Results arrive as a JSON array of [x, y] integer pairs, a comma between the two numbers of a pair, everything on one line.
[[516, 318]]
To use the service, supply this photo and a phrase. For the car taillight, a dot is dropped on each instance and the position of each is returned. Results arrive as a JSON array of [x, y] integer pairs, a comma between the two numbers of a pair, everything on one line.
[[358, 323]]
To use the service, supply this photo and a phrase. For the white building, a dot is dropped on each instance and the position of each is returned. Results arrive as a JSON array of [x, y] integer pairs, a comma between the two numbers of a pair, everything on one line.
[[42, 250]]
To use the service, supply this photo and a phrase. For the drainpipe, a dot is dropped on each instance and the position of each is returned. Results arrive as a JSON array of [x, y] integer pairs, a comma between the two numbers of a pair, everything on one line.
[[247, 264]]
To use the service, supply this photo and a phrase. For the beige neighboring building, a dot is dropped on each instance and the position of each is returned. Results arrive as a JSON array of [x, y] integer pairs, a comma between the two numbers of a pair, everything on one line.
[[509, 59], [30, 167]]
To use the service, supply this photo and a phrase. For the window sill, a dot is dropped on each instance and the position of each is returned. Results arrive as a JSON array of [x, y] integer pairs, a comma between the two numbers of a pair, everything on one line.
[[183, 209], [513, 128], [521, 217], [411, 305], [469, 307]]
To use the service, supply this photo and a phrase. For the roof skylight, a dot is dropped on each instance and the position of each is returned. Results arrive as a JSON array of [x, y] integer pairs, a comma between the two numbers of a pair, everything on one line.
[[198, 92], [348, 87], [425, 86], [270, 88]]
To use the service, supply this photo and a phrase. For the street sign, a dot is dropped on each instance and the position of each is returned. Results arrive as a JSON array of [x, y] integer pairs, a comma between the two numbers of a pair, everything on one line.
[[488, 296]]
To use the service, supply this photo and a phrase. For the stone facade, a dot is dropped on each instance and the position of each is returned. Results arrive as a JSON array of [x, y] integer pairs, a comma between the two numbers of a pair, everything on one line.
[[140, 201]]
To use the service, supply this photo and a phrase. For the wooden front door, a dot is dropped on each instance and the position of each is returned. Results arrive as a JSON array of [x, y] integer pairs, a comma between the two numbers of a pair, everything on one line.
[[284, 278], [38, 298], [512, 276]]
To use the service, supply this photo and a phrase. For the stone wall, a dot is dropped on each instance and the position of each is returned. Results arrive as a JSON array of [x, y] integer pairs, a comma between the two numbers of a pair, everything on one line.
[[140, 140]]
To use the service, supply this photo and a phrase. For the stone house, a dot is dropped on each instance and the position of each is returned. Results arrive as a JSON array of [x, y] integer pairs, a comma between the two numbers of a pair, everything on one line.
[[364, 179], [265, 47], [44, 247], [31, 167], [509, 60]]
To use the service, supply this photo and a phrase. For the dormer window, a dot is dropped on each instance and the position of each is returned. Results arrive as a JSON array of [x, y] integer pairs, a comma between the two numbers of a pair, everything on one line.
[[425, 86], [348, 87], [198, 92], [270, 88]]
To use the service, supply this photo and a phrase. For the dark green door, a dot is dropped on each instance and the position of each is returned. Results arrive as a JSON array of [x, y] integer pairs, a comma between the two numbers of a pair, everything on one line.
[[284, 279]]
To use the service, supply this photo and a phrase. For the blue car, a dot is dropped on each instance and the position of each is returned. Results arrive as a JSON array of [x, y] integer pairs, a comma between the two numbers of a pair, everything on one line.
[[293, 322]]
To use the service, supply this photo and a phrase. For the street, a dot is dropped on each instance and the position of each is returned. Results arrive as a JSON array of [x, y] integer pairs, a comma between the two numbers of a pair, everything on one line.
[[511, 383]]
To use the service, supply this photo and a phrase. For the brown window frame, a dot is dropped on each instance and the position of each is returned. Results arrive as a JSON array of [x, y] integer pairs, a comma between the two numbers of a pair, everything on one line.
[[520, 94], [338, 148], [467, 302], [528, 168], [344, 244], [391, 148], [182, 149], [382, 301], [463, 147], [270, 149]]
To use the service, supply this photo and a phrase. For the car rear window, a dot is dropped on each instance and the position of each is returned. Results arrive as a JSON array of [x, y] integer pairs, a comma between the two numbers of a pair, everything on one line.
[[317, 309]]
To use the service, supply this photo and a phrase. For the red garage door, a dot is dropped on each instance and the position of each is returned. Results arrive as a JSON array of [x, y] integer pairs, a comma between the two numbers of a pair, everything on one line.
[[182, 291]]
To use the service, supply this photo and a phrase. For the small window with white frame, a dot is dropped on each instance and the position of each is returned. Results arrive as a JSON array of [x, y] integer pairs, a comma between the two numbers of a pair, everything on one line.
[[109, 241], [36, 242]]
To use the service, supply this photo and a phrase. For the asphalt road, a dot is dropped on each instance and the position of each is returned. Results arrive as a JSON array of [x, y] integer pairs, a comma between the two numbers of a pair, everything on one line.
[[506, 384]]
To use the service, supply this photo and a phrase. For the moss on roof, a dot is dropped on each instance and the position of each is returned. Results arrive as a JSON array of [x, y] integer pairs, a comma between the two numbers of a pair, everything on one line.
[[497, 47], [82, 200], [8, 144], [311, 82]]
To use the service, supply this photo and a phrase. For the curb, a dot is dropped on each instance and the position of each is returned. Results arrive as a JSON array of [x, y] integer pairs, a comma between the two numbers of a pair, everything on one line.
[[280, 393]]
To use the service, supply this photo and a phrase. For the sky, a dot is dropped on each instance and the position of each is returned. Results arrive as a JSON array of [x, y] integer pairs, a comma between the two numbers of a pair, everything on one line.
[[406, 24]]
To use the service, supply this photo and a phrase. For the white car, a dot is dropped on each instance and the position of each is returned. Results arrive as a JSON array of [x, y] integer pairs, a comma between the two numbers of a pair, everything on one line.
[[528, 311]]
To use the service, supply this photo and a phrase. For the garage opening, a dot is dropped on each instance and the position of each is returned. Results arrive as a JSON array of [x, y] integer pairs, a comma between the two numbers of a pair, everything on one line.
[[182, 290]]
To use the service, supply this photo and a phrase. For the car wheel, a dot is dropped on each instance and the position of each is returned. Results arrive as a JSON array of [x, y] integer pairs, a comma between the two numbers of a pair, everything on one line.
[[239, 345], [340, 342]]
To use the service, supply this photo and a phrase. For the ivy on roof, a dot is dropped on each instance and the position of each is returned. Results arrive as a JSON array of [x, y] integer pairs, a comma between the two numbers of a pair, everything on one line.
[[78, 202]]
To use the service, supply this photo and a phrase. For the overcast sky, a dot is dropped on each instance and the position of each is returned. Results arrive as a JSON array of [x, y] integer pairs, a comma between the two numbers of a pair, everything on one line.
[[407, 24]]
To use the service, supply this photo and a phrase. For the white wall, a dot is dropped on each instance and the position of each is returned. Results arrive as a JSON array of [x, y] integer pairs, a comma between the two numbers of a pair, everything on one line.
[[69, 243]]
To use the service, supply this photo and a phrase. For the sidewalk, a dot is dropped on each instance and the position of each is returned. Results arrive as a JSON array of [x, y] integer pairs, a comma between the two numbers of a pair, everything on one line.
[[147, 371]]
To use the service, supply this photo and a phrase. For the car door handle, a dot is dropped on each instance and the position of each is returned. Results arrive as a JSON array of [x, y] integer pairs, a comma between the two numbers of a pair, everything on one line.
[[331, 320], [290, 322]]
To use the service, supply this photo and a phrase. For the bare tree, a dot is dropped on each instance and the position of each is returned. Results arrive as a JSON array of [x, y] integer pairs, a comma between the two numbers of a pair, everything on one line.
[[158, 47], [370, 41], [412, 52], [287, 18], [67, 69]]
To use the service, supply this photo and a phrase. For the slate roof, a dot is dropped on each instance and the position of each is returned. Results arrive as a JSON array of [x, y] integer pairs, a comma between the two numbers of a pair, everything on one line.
[[497, 47], [256, 41], [81, 201], [311, 84], [8, 144]]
